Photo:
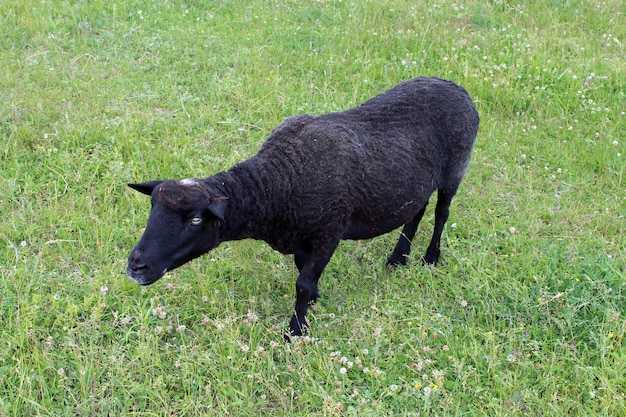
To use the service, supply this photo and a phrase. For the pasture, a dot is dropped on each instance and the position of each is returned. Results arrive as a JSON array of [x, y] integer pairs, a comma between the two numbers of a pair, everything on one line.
[[525, 314]]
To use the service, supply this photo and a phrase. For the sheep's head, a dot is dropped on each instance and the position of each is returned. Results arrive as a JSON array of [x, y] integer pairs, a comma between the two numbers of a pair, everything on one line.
[[184, 223]]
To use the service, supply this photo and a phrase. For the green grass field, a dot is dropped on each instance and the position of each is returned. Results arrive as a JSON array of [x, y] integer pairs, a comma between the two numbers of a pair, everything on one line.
[[524, 316]]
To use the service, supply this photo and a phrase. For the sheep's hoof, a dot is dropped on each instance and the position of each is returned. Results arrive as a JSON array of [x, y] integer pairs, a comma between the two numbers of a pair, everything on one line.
[[393, 262], [289, 335], [392, 266], [296, 329], [431, 258]]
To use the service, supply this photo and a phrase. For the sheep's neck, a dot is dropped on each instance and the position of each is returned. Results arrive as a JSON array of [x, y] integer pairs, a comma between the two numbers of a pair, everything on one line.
[[253, 200]]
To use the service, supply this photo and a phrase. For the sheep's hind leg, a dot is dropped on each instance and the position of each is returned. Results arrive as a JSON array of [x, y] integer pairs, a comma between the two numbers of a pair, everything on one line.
[[311, 265], [403, 247], [444, 198]]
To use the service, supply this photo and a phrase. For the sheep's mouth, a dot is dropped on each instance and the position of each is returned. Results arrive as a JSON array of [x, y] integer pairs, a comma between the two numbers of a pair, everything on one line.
[[142, 275]]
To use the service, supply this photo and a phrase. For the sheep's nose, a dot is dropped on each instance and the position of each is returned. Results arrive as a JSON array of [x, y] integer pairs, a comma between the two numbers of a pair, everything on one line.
[[138, 268], [135, 265]]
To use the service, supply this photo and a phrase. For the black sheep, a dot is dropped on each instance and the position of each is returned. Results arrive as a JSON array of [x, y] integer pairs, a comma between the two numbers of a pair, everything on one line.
[[316, 180]]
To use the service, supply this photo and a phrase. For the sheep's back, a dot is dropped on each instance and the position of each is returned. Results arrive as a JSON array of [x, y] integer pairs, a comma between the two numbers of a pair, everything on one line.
[[374, 163]]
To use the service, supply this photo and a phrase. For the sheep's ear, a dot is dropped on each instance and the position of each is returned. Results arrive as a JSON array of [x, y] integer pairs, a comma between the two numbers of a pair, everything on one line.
[[218, 207], [145, 187]]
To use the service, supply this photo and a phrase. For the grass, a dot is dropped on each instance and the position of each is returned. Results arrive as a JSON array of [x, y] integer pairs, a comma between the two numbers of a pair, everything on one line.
[[525, 315]]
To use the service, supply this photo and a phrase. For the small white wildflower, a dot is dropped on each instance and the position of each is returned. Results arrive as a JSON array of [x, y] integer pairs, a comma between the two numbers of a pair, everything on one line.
[[343, 371], [245, 348], [463, 303], [428, 391], [160, 312], [23, 243], [512, 230], [104, 289]]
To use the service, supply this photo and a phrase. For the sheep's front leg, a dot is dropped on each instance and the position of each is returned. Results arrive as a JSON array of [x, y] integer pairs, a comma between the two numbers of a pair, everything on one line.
[[311, 264]]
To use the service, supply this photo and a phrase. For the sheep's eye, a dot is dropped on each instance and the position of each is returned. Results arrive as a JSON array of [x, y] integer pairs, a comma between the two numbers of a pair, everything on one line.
[[196, 221]]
